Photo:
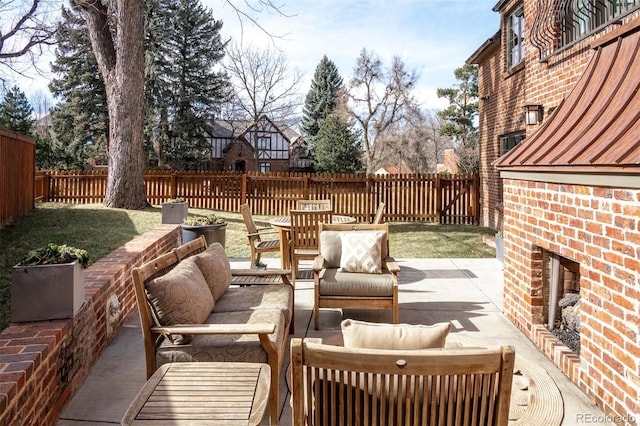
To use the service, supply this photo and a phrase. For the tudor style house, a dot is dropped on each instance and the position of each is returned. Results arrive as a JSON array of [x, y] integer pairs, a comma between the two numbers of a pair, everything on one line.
[[264, 146], [559, 89]]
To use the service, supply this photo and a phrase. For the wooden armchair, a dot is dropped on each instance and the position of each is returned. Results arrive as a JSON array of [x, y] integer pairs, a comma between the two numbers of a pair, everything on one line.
[[304, 235], [256, 235], [379, 213], [355, 287], [344, 386]]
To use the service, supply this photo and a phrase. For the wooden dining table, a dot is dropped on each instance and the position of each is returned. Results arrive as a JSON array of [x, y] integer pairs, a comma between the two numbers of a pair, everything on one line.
[[283, 225]]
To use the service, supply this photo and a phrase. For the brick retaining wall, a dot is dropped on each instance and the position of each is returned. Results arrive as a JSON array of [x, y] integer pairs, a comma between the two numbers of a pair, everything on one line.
[[43, 364]]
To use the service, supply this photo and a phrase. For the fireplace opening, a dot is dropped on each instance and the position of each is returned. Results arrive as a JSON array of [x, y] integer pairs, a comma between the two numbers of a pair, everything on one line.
[[561, 288]]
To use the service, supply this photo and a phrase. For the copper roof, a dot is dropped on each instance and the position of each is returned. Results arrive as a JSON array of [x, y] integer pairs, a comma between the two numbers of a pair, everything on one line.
[[597, 126]]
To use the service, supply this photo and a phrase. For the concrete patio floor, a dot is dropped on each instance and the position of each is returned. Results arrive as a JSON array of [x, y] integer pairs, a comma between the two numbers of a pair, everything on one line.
[[465, 292]]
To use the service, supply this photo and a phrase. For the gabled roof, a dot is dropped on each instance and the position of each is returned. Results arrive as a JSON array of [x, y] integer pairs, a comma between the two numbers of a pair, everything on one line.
[[597, 127], [231, 129]]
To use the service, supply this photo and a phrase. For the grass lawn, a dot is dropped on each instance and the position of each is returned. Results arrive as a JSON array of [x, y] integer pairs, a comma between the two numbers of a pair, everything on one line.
[[100, 230]]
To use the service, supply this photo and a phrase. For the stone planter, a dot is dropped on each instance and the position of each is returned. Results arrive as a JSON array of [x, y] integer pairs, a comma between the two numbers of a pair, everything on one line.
[[212, 233], [46, 292], [174, 212], [499, 248]]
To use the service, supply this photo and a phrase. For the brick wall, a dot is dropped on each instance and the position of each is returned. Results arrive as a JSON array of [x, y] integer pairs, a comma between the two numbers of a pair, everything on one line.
[[534, 82], [599, 228], [43, 364]]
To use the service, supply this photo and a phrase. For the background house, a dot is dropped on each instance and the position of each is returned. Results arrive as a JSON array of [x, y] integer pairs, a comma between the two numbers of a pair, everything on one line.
[[265, 146], [560, 171]]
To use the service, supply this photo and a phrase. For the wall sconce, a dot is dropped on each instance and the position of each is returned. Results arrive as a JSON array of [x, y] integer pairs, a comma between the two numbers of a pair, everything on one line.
[[533, 114]]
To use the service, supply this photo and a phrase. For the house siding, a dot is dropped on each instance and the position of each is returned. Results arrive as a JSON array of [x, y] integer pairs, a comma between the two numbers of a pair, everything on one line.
[[534, 82]]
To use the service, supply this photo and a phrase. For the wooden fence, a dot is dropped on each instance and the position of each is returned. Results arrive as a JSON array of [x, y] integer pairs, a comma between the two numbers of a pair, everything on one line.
[[446, 199], [17, 163]]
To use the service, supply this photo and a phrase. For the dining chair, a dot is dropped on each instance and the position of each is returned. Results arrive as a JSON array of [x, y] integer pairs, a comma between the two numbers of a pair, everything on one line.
[[255, 235], [379, 212], [304, 235], [313, 205]]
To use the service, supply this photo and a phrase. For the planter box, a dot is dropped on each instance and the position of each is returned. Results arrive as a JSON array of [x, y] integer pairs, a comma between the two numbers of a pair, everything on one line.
[[46, 292], [212, 233], [174, 212]]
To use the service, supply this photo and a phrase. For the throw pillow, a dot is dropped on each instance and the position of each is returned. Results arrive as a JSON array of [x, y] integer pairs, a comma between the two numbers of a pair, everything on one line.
[[181, 296], [331, 248], [362, 251], [368, 335], [214, 265]]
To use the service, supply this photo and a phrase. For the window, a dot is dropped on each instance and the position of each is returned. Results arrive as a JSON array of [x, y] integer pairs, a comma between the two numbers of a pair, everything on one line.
[[264, 143], [559, 25], [265, 167], [508, 142], [515, 38]]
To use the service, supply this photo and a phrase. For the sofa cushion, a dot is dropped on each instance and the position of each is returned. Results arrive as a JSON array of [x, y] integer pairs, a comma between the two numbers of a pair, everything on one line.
[[214, 264], [362, 252], [227, 347], [272, 296], [181, 296], [361, 334], [337, 283]]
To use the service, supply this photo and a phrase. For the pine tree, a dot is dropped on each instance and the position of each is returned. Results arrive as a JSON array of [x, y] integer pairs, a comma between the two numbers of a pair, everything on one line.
[[16, 112], [337, 148], [321, 98], [185, 88], [459, 116], [81, 120]]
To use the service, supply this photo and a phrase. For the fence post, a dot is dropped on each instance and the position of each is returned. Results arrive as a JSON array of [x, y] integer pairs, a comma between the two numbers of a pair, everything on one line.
[[438, 199], [243, 189], [46, 185], [174, 186]]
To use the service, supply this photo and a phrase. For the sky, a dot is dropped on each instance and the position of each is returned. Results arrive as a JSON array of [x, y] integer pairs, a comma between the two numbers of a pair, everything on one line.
[[432, 37]]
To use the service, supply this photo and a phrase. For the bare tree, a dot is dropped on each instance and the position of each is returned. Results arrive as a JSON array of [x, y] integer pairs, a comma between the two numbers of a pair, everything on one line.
[[415, 143], [380, 100], [263, 85], [27, 28], [116, 30]]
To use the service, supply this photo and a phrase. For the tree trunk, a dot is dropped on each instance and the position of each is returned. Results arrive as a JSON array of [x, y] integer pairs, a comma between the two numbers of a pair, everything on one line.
[[121, 63]]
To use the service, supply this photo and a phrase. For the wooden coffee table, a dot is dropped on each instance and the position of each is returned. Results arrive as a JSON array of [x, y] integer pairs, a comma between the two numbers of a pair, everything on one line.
[[230, 393]]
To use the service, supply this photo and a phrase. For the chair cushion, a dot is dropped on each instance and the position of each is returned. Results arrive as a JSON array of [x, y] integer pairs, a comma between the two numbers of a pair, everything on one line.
[[337, 283], [272, 296], [227, 347], [362, 252], [214, 264], [181, 296], [361, 334]]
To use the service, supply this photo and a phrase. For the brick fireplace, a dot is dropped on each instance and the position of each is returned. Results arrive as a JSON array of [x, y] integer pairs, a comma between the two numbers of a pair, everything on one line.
[[571, 228], [596, 233]]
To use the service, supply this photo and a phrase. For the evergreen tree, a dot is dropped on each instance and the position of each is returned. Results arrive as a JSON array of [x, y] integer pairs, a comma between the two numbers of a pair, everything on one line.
[[459, 116], [81, 120], [185, 89], [321, 98], [337, 148], [16, 112]]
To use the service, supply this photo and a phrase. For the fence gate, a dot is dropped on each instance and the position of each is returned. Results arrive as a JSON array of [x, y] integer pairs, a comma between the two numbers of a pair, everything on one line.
[[459, 199]]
